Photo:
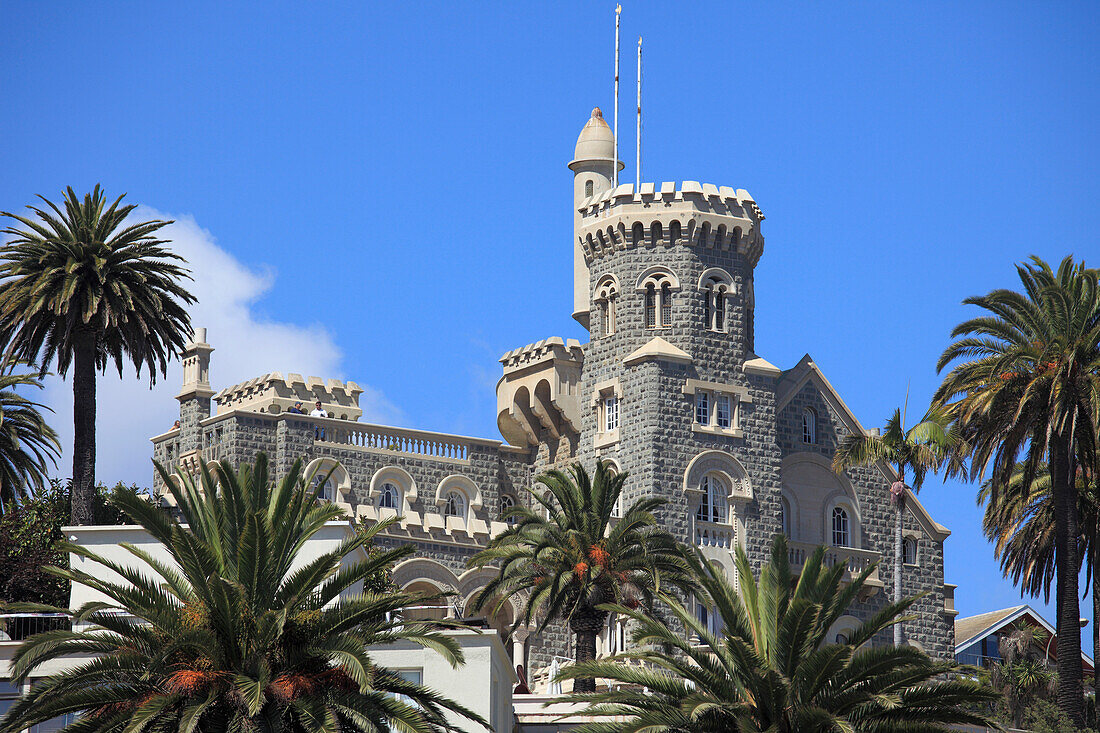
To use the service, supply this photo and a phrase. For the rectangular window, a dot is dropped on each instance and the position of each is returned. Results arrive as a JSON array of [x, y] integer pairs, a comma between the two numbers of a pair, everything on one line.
[[611, 413], [722, 410], [414, 676], [702, 408]]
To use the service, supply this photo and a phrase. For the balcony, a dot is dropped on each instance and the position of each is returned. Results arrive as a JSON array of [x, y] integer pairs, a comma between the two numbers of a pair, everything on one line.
[[440, 446], [710, 534], [854, 560], [19, 626]]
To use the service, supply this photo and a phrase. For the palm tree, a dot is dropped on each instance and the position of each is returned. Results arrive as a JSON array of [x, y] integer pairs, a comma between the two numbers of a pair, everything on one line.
[[915, 451], [1020, 523], [228, 636], [1026, 381], [86, 287], [570, 557], [772, 665], [28, 446]]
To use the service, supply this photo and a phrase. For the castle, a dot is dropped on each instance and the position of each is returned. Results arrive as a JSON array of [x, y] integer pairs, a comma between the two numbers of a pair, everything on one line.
[[669, 389]]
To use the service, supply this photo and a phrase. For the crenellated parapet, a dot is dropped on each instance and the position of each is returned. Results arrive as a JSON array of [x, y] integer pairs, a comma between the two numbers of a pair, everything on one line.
[[271, 393], [540, 391], [698, 214]]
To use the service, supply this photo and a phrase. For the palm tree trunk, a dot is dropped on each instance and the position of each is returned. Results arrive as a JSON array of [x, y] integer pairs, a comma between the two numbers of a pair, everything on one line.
[[899, 553], [1067, 565], [83, 428], [586, 627]]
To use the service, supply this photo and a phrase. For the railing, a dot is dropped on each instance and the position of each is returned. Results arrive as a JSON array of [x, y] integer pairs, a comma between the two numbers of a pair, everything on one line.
[[19, 626], [399, 440], [854, 560], [709, 534]]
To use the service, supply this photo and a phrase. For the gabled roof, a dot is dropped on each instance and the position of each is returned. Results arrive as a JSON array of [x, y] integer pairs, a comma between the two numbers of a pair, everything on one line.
[[658, 348], [791, 383], [974, 628]]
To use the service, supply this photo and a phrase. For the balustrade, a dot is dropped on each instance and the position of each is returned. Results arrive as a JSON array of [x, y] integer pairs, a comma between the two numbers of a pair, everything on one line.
[[855, 561], [399, 440], [709, 534]]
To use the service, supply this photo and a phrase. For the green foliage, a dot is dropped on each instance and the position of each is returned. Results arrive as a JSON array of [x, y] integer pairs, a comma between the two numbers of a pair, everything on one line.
[[772, 667], [227, 636], [1024, 392], [30, 541], [570, 564], [28, 446], [1043, 716], [88, 269]]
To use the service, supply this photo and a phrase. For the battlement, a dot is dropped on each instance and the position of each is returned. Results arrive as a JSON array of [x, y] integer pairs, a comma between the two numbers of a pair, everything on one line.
[[540, 391], [694, 213], [541, 351], [272, 393]]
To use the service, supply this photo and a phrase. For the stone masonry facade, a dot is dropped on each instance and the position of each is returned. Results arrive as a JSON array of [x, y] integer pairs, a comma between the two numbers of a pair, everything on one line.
[[668, 389]]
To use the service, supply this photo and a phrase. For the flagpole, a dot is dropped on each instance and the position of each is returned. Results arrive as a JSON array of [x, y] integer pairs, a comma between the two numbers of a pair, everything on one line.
[[638, 163], [615, 163]]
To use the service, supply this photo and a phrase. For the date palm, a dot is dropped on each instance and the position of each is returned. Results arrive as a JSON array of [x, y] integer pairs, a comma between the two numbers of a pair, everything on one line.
[[569, 557], [85, 287], [772, 665], [1024, 387], [238, 632], [910, 452], [1020, 523], [28, 446]]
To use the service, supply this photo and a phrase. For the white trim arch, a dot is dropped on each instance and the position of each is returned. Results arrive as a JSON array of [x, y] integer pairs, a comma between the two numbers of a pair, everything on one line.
[[463, 485], [606, 298], [726, 467], [406, 486], [341, 481], [717, 274], [657, 274], [843, 625], [421, 569]]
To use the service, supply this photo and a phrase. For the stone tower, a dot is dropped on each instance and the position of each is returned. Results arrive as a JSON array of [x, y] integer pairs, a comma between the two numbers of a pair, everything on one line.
[[667, 388], [593, 171]]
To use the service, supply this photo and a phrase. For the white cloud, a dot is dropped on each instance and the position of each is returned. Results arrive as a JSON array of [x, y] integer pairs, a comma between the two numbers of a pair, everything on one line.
[[128, 412]]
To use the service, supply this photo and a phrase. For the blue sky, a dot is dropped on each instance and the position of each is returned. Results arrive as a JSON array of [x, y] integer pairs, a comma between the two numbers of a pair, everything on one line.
[[380, 190]]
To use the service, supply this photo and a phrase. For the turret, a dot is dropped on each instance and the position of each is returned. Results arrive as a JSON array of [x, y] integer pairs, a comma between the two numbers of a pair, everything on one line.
[[593, 172], [194, 396]]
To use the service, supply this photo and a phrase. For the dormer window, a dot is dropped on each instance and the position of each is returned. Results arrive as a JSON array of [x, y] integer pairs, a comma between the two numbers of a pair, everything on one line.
[[455, 505], [389, 497]]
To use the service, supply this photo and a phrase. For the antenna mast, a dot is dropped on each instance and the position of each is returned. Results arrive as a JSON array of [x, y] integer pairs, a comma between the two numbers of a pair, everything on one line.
[[638, 164], [615, 163]]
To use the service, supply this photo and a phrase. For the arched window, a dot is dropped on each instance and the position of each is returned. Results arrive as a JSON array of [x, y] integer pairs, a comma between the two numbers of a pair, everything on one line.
[[607, 295], [507, 504], [809, 426], [389, 497], [637, 234], [842, 535], [785, 517], [588, 188], [455, 505], [909, 551], [716, 285], [324, 488], [712, 503], [657, 285], [841, 638], [650, 306]]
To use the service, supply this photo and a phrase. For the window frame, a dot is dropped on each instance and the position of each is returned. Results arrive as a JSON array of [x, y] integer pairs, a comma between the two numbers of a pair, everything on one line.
[[714, 501], [809, 426], [840, 512]]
